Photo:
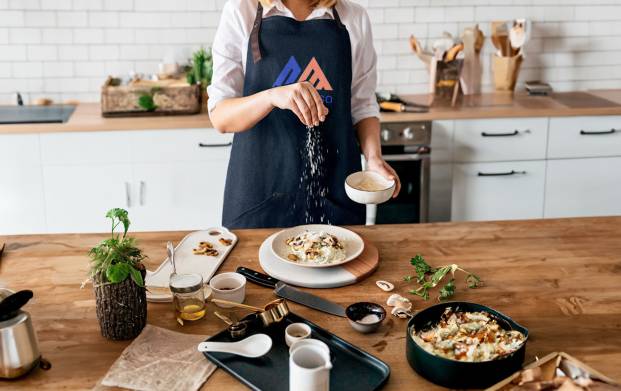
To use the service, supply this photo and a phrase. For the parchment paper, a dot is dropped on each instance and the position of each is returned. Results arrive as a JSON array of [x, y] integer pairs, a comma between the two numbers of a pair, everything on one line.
[[160, 359]]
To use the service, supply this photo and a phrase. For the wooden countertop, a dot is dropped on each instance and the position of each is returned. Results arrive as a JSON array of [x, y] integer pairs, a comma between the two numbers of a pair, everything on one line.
[[560, 278], [87, 116]]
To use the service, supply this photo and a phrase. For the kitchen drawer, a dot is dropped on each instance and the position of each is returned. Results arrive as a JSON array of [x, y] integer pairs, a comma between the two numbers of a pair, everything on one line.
[[85, 148], [507, 139], [498, 191], [156, 146], [583, 187], [19, 149], [22, 208], [584, 137]]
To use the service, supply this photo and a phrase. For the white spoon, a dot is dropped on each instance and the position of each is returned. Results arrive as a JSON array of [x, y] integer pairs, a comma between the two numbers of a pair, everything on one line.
[[254, 346]]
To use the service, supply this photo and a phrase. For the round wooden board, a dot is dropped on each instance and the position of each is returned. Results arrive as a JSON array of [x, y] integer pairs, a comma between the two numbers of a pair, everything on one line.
[[331, 277]]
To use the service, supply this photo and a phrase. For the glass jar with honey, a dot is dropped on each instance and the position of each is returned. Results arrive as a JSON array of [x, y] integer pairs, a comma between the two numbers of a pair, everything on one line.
[[188, 296]]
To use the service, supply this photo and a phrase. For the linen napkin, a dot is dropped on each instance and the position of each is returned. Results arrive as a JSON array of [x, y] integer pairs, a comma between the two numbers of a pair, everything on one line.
[[160, 359]]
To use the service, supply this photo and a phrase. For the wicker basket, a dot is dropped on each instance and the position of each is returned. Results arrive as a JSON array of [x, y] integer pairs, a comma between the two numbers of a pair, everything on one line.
[[169, 97]]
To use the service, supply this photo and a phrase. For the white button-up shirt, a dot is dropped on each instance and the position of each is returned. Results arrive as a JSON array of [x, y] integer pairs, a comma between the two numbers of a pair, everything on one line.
[[230, 49]]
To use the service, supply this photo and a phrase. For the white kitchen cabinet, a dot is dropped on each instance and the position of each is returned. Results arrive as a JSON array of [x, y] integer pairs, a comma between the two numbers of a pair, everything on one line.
[[498, 191], [77, 197], [21, 186], [80, 148], [574, 137], [507, 139], [178, 195], [583, 187]]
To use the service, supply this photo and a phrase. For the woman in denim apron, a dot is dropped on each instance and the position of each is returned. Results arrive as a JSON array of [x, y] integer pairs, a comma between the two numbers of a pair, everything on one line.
[[298, 74]]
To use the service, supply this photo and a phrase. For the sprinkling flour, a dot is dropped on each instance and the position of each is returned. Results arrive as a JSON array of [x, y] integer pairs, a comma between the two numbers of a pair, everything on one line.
[[312, 181]]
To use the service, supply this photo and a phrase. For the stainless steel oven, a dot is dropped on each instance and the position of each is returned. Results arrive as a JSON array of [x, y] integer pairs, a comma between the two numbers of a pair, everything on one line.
[[406, 147]]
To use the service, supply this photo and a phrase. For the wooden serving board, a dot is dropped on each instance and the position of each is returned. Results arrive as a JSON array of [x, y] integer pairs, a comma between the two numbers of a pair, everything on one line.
[[329, 277]]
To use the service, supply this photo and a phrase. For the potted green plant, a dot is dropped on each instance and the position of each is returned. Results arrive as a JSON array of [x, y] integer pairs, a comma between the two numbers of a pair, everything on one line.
[[200, 72], [117, 273]]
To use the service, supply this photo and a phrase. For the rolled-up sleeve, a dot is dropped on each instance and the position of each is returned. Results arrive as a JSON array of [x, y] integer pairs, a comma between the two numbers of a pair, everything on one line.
[[228, 71], [364, 75]]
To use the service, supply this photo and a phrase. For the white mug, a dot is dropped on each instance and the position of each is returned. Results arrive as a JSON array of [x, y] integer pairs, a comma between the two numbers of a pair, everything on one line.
[[309, 369], [229, 286]]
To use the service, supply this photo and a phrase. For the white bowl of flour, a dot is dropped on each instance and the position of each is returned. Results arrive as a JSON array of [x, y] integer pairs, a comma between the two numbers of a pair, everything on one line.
[[369, 187]]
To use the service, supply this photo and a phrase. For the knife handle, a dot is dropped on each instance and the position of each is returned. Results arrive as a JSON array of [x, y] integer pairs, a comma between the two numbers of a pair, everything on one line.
[[257, 278]]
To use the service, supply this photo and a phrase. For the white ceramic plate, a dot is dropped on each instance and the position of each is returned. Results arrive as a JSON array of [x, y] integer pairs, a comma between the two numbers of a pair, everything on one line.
[[352, 242]]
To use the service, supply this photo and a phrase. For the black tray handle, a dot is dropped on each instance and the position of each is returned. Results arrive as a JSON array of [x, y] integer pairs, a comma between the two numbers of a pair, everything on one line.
[[257, 278], [597, 132]]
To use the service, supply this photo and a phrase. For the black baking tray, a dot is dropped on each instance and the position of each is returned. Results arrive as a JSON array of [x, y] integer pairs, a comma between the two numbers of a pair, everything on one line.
[[352, 368]]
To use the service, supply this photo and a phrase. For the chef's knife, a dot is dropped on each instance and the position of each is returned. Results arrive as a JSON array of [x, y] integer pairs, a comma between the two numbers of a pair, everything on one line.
[[290, 293]]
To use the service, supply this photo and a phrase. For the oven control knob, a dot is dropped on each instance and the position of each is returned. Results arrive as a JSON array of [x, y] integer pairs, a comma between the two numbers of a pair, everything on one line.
[[408, 133], [386, 135]]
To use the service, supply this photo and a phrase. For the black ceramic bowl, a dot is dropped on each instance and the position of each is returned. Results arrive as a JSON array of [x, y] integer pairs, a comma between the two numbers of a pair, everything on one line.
[[459, 374]]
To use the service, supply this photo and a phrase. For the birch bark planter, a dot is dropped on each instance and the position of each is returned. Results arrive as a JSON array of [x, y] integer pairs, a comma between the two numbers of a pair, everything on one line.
[[121, 308]]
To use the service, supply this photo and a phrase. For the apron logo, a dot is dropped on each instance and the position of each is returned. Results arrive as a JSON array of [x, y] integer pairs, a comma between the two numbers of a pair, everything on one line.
[[292, 72]]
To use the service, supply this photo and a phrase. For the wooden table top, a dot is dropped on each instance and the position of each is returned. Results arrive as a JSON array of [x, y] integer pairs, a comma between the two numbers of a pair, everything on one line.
[[87, 116], [559, 278]]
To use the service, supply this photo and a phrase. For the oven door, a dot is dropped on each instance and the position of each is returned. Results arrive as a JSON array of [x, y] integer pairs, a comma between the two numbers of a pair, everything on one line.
[[411, 205]]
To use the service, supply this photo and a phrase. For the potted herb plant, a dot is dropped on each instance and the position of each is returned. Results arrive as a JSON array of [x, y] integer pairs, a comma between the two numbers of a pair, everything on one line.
[[117, 273], [200, 72]]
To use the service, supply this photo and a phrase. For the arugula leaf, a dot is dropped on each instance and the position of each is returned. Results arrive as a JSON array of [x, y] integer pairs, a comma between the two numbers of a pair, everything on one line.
[[136, 276], [421, 267], [117, 273], [473, 281], [447, 290]]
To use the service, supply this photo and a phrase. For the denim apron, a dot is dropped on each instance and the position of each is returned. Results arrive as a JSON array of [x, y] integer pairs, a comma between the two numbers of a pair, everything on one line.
[[264, 185]]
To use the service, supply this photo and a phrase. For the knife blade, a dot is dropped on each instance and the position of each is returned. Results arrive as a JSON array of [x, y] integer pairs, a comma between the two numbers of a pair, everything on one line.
[[290, 293], [308, 299]]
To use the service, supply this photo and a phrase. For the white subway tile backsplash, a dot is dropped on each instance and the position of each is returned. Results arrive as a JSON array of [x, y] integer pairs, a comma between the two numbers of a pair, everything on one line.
[[73, 52], [12, 52], [72, 18], [103, 19], [56, 35], [65, 48], [40, 19], [57, 69], [88, 35], [103, 52], [24, 35], [42, 52], [27, 69], [11, 18]]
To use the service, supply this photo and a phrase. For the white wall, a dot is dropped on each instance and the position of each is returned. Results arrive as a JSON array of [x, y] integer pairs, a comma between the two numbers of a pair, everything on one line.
[[65, 48]]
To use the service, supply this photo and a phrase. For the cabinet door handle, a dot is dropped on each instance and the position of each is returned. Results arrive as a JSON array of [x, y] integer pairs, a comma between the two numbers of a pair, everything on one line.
[[142, 189], [514, 133], [128, 197], [203, 145], [596, 132], [507, 173]]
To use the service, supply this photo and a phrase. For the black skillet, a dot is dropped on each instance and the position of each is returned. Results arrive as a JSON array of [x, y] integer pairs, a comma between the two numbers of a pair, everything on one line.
[[460, 374]]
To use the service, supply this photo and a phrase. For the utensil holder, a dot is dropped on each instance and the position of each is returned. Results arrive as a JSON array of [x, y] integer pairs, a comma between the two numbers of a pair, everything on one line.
[[444, 77], [506, 71]]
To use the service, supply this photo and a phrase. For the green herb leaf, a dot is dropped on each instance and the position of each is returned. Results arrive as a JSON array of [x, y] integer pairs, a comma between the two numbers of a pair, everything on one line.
[[421, 267], [136, 276], [146, 102], [117, 273], [120, 215], [447, 290], [473, 281], [407, 278]]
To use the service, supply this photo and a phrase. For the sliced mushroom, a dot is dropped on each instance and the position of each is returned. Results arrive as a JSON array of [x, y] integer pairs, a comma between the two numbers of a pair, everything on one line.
[[396, 300], [384, 285], [401, 313]]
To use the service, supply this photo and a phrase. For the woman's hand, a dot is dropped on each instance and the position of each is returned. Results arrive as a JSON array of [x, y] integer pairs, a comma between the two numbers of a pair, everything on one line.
[[301, 98], [380, 166]]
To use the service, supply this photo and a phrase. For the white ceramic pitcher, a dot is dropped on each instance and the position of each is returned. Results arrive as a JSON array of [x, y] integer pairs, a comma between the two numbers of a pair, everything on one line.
[[309, 369]]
